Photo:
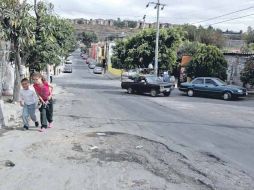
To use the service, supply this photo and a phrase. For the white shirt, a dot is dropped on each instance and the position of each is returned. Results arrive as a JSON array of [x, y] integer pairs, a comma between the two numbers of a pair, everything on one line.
[[150, 66], [29, 96]]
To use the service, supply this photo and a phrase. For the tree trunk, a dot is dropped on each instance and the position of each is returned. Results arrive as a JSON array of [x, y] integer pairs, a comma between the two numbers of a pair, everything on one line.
[[48, 72], [17, 74]]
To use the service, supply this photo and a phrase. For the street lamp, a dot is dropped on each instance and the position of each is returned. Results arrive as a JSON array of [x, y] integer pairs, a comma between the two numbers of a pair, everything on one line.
[[159, 7]]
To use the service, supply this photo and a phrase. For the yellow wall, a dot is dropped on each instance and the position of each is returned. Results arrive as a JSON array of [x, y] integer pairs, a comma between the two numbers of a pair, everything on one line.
[[113, 71]]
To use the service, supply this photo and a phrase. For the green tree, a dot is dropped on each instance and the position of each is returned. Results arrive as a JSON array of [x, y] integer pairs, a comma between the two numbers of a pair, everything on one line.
[[17, 27], [249, 35], [208, 61], [209, 36], [54, 38], [139, 50], [119, 55], [188, 48], [118, 23], [247, 74], [132, 24], [89, 37]]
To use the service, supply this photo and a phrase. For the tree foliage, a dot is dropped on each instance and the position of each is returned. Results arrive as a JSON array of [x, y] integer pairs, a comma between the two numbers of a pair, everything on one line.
[[54, 37], [16, 27], [249, 35], [247, 74], [188, 48], [36, 41], [139, 50], [209, 36], [208, 61], [118, 23], [89, 37]]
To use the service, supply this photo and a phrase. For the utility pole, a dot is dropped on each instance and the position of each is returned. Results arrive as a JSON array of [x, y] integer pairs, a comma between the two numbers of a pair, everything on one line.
[[144, 21], [159, 7]]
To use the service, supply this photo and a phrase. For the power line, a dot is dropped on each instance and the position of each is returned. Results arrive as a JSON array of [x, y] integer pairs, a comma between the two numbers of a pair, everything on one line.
[[230, 20], [230, 13]]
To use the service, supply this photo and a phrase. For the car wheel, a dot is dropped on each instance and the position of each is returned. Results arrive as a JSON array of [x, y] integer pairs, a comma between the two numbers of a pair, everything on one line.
[[130, 91], [166, 93], [153, 93], [190, 92], [227, 96]]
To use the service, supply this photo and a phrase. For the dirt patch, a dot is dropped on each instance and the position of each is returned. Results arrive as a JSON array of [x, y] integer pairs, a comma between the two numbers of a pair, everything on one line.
[[205, 172]]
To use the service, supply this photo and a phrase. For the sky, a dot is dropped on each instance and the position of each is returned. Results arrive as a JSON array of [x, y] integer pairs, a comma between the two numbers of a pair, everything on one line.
[[175, 11]]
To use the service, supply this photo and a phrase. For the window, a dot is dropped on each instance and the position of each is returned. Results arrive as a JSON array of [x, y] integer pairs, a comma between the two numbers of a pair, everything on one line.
[[210, 82], [198, 81]]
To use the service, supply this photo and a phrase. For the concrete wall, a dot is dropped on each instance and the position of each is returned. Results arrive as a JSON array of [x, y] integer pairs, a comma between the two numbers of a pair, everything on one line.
[[4, 57], [236, 64]]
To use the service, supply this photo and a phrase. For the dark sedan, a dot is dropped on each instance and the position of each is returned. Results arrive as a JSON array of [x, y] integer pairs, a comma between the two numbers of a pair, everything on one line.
[[147, 84], [214, 87]]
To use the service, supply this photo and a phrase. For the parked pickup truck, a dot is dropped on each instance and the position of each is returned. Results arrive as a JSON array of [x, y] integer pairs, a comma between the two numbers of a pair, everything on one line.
[[147, 84]]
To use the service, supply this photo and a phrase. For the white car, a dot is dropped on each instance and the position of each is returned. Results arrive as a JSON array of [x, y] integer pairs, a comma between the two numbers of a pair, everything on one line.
[[98, 70], [68, 61], [67, 68], [130, 73]]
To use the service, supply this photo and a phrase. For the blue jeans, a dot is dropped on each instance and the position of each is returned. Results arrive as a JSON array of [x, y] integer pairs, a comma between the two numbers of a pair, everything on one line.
[[29, 111]]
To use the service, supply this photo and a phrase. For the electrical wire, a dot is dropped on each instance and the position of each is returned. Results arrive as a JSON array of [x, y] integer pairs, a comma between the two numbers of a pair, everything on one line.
[[230, 20], [220, 16]]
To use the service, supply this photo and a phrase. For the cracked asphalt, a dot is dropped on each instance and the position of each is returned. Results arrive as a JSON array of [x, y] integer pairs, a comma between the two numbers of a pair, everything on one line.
[[106, 139]]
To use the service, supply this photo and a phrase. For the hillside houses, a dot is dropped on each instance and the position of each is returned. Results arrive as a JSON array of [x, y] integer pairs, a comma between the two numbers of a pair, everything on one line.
[[111, 22]]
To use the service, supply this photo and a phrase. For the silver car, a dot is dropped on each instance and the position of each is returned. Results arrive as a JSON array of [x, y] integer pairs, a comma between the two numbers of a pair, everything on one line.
[[92, 65], [67, 69], [98, 70]]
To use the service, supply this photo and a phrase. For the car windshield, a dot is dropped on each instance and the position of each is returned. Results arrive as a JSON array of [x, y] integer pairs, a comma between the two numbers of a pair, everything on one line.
[[153, 79], [220, 82]]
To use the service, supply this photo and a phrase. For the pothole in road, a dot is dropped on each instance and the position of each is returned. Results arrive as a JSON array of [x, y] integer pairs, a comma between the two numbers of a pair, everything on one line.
[[108, 148]]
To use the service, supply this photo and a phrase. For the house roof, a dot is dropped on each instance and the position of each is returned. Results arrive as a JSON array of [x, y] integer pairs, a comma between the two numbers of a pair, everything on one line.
[[239, 54], [186, 59]]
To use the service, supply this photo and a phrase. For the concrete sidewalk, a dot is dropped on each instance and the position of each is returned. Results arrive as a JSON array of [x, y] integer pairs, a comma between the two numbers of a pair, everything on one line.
[[112, 77]]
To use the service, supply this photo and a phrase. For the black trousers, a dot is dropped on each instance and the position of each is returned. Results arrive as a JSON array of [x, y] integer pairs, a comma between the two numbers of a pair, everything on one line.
[[46, 112]]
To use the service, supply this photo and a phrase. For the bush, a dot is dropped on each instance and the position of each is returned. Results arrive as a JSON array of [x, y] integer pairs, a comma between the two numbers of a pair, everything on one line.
[[247, 74]]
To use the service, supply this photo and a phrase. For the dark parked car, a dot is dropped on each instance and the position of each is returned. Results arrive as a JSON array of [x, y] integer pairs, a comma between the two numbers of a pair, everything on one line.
[[214, 87], [67, 68], [147, 84]]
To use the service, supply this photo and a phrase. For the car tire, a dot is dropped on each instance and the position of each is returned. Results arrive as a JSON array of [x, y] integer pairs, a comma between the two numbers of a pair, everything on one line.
[[190, 93], [153, 93], [166, 94], [130, 90], [227, 96]]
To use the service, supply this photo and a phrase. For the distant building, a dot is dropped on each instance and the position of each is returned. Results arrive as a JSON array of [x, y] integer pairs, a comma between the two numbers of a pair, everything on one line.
[[100, 21], [234, 41], [233, 35]]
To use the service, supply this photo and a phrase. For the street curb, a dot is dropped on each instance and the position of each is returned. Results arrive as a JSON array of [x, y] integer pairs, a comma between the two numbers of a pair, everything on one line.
[[2, 118]]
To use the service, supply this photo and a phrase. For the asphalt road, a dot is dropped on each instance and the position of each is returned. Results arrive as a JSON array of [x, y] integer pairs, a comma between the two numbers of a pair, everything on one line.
[[105, 139], [198, 128]]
